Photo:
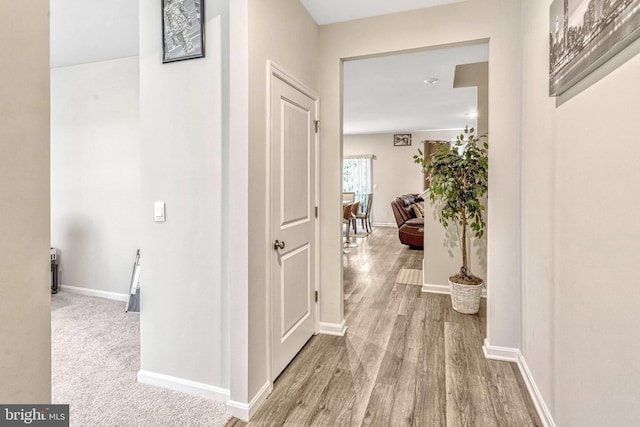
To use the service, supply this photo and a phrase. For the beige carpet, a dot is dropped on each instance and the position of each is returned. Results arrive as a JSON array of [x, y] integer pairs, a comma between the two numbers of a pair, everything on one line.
[[95, 354], [409, 276]]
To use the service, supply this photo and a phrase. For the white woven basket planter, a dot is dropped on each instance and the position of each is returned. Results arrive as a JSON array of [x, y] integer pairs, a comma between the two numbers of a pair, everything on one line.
[[466, 298]]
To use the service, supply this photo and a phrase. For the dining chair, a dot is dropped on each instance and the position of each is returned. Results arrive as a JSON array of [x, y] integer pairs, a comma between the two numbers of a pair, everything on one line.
[[355, 207], [365, 217], [346, 219]]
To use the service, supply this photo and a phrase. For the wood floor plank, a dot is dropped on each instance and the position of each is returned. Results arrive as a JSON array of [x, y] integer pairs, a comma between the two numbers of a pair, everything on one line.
[[408, 359], [403, 410], [437, 307], [308, 396], [472, 328], [531, 409], [468, 400], [482, 403], [335, 407], [373, 351], [234, 422], [296, 393], [457, 379], [507, 400], [364, 367], [430, 389], [383, 395], [498, 378]]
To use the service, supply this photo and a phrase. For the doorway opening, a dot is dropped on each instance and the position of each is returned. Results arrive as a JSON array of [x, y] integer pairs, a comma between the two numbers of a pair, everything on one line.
[[393, 105]]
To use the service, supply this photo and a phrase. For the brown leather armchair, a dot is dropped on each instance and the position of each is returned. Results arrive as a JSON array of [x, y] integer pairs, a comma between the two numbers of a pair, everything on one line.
[[410, 227]]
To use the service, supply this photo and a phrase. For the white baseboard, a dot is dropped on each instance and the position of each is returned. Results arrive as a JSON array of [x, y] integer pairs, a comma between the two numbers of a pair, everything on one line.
[[333, 328], [245, 411], [436, 289], [507, 354], [534, 392], [95, 293], [385, 224], [184, 386]]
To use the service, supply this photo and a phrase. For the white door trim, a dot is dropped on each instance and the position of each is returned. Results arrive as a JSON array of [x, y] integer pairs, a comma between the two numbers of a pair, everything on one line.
[[275, 71]]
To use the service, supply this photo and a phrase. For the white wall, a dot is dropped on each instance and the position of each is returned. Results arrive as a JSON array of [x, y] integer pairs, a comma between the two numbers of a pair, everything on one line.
[[183, 324], [580, 238], [538, 206], [235, 195], [394, 172], [25, 300], [496, 20], [95, 172]]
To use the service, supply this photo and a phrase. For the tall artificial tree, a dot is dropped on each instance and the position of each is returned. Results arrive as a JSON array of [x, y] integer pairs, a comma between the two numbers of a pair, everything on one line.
[[458, 181]]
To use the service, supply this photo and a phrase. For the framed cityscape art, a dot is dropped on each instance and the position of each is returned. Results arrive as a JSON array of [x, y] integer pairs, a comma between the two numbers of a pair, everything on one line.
[[584, 34]]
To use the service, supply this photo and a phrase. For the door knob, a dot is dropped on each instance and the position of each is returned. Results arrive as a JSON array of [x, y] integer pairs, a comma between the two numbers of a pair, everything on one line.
[[278, 245]]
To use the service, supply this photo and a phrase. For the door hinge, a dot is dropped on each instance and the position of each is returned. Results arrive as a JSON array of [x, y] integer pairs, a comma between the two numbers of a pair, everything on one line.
[[316, 296], [317, 123], [316, 212]]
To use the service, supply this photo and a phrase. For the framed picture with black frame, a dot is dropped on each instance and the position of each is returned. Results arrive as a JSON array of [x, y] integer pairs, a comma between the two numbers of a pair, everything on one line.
[[402, 139], [182, 30]]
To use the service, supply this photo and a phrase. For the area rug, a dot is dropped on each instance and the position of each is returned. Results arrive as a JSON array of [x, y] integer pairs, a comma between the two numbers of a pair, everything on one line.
[[409, 276]]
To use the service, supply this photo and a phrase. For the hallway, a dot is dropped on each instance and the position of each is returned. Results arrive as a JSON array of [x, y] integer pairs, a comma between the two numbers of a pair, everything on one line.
[[406, 359]]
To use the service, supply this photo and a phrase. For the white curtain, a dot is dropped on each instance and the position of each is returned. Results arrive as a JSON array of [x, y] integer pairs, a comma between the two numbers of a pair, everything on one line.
[[357, 176]]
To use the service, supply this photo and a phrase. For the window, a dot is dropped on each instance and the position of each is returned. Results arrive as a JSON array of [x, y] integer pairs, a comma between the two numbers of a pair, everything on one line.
[[357, 176]]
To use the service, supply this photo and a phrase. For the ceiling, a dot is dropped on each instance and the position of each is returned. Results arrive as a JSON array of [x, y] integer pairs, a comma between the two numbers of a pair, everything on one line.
[[388, 94], [384, 94], [90, 31], [331, 11]]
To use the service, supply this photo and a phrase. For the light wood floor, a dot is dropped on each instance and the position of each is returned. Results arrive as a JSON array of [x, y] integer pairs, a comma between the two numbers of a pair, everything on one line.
[[407, 359]]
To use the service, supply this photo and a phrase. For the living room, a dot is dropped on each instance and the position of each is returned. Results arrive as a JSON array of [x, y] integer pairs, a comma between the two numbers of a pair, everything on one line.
[[395, 105]]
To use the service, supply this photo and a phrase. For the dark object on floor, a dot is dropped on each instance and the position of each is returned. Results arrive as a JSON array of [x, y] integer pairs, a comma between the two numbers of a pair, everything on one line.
[[54, 270], [410, 226], [133, 303]]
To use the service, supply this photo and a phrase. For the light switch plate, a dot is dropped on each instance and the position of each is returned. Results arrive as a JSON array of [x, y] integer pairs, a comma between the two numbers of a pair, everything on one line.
[[159, 211]]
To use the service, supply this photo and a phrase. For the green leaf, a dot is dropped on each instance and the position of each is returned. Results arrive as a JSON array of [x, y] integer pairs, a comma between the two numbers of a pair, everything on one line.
[[458, 179]]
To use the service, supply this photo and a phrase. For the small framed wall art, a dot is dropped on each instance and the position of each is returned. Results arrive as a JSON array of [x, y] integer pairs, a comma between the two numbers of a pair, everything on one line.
[[402, 139], [182, 30]]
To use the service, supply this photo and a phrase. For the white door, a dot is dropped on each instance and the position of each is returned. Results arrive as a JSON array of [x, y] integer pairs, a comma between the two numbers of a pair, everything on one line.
[[293, 201]]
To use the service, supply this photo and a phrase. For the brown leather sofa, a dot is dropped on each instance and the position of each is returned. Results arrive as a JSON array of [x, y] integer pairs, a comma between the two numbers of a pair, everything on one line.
[[410, 227]]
